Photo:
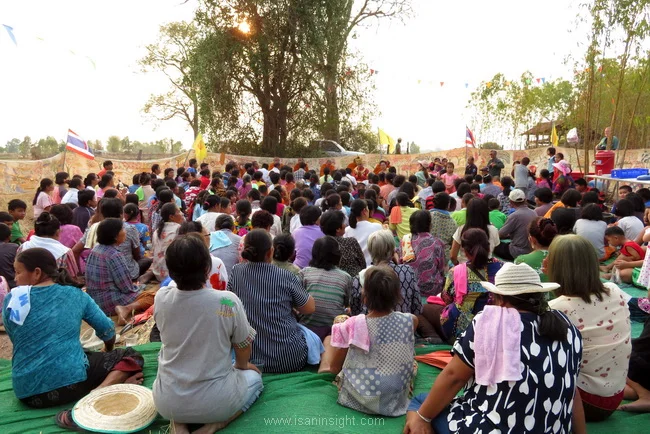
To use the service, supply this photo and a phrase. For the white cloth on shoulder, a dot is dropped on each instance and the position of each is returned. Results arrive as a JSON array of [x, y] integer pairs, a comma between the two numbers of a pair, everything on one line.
[[497, 345], [19, 305]]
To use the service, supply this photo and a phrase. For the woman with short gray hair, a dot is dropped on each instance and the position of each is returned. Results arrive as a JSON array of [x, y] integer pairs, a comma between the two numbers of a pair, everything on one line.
[[224, 244], [381, 246]]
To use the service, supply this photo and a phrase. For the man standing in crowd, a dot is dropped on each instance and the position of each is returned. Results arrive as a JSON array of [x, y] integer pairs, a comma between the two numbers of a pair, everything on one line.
[[193, 164], [551, 159], [471, 168], [495, 165]]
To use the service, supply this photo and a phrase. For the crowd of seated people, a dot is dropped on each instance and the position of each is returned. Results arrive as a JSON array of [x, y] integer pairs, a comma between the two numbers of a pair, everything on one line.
[[342, 269]]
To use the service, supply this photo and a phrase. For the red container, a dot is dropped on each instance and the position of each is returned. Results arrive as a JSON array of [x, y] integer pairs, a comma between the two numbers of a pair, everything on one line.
[[605, 161]]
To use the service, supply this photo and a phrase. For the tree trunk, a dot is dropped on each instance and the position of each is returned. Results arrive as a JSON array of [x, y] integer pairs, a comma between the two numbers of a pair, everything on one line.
[[283, 133], [271, 133], [195, 120], [331, 130]]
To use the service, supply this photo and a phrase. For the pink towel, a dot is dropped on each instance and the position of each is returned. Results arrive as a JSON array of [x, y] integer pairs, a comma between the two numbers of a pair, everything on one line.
[[354, 331], [435, 299], [460, 282], [497, 345]]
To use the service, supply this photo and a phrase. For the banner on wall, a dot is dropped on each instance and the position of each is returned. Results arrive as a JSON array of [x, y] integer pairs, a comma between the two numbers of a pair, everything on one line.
[[20, 176]]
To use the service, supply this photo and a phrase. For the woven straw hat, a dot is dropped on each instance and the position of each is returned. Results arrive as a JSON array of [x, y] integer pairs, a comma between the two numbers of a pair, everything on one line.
[[121, 408], [514, 279]]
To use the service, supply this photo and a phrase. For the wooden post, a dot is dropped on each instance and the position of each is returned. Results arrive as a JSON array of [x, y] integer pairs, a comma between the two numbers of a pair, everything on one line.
[[65, 152]]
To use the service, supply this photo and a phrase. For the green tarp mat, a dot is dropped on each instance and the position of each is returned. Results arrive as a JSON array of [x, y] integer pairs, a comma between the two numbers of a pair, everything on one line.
[[303, 402]]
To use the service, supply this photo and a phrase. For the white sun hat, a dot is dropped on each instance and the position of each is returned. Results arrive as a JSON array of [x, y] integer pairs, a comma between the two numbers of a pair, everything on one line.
[[121, 408], [514, 279]]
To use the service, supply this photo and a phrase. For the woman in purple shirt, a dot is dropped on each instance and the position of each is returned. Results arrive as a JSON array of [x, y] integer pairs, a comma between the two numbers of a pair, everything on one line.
[[307, 235]]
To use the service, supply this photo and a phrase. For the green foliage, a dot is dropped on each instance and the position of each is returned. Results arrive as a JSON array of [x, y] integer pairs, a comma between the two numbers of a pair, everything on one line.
[[516, 105], [125, 145], [11, 147], [490, 145], [114, 144], [621, 26], [633, 121], [413, 148], [25, 146], [171, 55], [291, 78], [95, 145], [359, 138]]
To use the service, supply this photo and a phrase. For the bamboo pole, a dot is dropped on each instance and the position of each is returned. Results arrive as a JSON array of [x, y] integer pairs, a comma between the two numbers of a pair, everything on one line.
[[646, 72]]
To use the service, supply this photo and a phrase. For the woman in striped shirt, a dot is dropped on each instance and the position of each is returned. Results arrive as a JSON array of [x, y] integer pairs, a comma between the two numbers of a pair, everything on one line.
[[327, 284], [269, 295]]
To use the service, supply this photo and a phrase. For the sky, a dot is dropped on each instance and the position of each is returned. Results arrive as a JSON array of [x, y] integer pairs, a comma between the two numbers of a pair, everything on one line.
[[75, 64]]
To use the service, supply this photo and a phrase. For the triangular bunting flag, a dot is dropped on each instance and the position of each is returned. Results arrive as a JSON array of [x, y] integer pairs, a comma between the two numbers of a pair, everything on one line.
[[10, 31]]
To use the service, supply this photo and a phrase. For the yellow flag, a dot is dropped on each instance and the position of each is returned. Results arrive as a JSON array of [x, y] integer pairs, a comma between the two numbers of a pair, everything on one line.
[[554, 137], [200, 151], [385, 139]]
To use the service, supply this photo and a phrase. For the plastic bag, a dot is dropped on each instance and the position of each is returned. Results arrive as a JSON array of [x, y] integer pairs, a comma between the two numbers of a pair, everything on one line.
[[616, 276], [572, 136]]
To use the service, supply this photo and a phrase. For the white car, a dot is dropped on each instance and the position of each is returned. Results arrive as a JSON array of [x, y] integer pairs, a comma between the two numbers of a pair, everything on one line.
[[332, 149]]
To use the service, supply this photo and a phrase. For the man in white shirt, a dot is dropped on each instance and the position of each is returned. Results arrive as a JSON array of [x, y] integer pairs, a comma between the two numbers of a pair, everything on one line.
[[265, 173], [75, 185], [350, 177], [462, 190]]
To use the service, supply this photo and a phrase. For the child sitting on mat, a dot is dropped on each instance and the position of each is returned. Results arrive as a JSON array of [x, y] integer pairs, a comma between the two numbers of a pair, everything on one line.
[[373, 354], [630, 250]]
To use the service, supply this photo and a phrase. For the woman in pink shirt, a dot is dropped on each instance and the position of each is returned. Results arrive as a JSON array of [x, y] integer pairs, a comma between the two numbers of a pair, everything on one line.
[[449, 177], [69, 234], [43, 199]]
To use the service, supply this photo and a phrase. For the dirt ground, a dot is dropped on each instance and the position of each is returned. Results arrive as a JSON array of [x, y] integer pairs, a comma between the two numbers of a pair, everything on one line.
[[5, 346], [27, 224]]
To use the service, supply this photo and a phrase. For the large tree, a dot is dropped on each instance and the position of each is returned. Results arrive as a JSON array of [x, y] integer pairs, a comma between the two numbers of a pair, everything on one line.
[[12, 146], [333, 24], [114, 144], [171, 55], [252, 51]]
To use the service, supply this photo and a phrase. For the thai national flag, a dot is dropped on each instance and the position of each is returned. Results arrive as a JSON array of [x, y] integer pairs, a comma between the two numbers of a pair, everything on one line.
[[469, 138], [78, 145]]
